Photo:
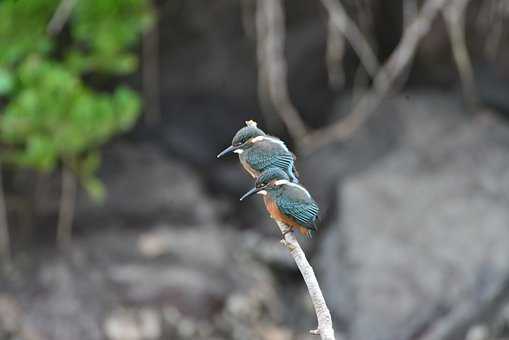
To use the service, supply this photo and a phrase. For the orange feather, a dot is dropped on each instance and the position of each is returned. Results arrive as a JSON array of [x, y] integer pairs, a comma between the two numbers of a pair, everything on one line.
[[276, 214]]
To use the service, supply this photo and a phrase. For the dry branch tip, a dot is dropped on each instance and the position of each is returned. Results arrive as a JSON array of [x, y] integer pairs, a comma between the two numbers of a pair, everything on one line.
[[251, 123]]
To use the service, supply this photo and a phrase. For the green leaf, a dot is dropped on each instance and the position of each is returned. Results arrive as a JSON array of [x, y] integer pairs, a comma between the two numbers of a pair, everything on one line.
[[95, 189], [6, 81], [90, 164]]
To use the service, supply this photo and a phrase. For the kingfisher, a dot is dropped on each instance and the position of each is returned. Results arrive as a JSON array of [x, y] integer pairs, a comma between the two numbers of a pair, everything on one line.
[[258, 151], [286, 201]]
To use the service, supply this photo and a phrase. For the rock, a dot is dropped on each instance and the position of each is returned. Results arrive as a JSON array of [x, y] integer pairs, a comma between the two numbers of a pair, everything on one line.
[[144, 324], [323, 169], [423, 231], [170, 282], [205, 246], [277, 333], [143, 184], [10, 316]]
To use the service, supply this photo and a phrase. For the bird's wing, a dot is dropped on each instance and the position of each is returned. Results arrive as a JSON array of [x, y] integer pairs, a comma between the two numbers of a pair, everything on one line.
[[300, 207], [269, 154]]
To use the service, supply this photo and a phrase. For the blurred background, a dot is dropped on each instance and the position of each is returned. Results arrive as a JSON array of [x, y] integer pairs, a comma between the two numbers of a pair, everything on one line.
[[118, 222]]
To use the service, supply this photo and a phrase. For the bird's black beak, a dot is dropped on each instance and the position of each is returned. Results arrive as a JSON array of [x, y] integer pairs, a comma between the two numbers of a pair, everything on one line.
[[250, 193], [227, 150]]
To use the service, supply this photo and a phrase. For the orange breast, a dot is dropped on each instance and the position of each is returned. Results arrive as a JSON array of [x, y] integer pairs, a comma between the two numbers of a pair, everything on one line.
[[276, 214]]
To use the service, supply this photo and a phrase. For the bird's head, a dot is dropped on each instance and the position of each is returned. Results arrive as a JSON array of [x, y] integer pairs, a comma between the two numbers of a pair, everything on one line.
[[243, 139], [269, 179]]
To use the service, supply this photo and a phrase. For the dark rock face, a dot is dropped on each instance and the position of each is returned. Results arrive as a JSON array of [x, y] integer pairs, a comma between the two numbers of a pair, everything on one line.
[[165, 283], [423, 231], [143, 183]]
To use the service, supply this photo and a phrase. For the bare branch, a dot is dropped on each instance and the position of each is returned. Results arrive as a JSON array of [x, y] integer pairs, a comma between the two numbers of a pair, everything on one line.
[[410, 11], [150, 70], [490, 22], [248, 7], [384, 81], [60, 17], [325, 329], [264, 96], [454, 16], [66, 212], [339, 17], [5, 246], [334, 56], [272, 64]]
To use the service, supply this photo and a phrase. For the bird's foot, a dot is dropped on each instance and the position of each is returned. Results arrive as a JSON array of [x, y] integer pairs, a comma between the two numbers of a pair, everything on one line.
[[283, 240], [289, 230]]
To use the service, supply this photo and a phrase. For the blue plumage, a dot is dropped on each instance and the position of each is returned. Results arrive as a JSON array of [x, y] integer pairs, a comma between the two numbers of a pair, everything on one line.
[[302, 210], [270, 152], [258, 152], [287, 202]]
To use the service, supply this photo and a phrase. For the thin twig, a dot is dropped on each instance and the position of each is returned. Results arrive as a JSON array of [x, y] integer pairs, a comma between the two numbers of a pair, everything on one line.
[[339, 17], [60, 17], [325, 329], [248, 7], [66, 212], [384, 81], [454, 16], [5, 244], [150, 71], [410, 12], [272, 64], [264, 97], [334, 56]]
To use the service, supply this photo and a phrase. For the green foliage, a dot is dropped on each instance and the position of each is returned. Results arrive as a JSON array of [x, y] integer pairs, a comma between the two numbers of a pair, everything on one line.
[[52, 115]]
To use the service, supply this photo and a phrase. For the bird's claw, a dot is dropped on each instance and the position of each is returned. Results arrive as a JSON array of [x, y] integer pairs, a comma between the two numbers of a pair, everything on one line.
[[289, 230]]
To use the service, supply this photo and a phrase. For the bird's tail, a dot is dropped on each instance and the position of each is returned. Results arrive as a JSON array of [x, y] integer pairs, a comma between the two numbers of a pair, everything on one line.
[[309, 230], [294, 174], [306, 232]]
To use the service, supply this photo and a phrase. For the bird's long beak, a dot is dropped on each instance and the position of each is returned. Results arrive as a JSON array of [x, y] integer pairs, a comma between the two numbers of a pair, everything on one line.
[[227, 150], [250, 193]]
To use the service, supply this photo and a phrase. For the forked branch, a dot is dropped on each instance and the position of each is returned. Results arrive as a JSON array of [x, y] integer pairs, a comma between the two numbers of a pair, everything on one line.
[[385, 80], [272, 76], [340, 19]]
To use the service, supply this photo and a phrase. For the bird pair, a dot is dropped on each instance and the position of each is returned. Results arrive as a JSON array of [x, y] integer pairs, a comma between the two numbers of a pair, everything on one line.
[[268, 160]]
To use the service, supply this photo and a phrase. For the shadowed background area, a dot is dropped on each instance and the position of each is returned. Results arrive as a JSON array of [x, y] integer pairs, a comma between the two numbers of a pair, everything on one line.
[[118, 222]]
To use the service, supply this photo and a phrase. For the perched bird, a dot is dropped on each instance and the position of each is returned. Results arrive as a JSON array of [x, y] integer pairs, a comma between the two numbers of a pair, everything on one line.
[[286, 202], [258, 151]]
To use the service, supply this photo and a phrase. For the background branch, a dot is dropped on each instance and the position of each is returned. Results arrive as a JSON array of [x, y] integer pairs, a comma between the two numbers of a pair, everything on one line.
[[272, 65], [325, 329], [60, 17], [454, 16], [150, 70], [385, 80], [339, 17], [66, 211], [334, 56], [5, 245]]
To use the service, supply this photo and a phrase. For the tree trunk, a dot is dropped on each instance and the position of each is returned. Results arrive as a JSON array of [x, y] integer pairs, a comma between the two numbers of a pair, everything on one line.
[[66, 213]]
